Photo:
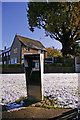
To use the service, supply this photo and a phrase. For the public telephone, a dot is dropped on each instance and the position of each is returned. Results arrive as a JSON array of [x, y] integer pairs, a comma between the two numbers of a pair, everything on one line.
[[34, 76]]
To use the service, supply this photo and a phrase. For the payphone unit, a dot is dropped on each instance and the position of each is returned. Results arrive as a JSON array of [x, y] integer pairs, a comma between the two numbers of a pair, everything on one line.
[[34, 75]]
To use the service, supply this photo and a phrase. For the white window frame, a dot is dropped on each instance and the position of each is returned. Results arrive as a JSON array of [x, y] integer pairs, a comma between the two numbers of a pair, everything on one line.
[[4, 55], [15, 60], [1, 55], [12, 61], [4, 62]]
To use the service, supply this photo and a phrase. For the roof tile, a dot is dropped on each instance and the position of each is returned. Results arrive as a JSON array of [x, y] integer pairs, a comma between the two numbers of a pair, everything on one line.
[[35, 44]]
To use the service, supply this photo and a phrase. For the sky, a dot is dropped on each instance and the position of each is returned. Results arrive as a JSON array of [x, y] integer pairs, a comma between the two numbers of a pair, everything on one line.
[[15, 21]]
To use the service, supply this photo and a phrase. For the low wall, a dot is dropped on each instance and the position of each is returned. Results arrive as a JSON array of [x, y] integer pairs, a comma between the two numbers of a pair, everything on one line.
[[47, 69], [13, 70], [53, 69]]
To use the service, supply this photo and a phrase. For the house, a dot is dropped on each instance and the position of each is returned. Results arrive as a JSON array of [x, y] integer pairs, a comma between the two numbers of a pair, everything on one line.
[[0, 57], [6, 55], [22, 45]]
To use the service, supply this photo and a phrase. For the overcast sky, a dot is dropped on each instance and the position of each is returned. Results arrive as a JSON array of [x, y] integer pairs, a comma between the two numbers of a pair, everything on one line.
[[14, 21]]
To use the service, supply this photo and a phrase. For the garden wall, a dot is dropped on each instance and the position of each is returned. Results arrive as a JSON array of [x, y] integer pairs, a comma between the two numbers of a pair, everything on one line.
[[47, 69], [56, 69], [13, 70]]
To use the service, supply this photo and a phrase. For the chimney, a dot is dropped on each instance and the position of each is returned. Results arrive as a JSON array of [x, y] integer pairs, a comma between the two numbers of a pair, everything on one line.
[[4, 47]]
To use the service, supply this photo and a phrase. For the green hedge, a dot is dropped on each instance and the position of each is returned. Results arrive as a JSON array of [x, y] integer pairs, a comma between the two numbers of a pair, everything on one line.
[[66, 59], [12, 65], [61, 64]]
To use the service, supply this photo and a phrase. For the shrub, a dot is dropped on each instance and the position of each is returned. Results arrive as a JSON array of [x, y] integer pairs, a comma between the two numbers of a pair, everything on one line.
[[19, 100], [56, 64], [62, 62], [12, 65]]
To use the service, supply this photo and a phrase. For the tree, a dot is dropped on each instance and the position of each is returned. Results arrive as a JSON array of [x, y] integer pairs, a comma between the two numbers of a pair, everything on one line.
[[76, 49], [61, 21], [52, 52]]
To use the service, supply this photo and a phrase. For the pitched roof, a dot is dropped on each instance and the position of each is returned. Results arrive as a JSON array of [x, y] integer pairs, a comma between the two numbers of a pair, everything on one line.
[[31, 43]]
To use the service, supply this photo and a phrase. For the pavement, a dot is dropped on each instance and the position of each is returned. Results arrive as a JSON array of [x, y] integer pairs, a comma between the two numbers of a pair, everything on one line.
[[33, 112], [38, 113]]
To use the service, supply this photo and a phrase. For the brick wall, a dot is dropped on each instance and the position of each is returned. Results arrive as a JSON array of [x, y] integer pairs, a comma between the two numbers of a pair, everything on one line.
[[30, 51], [53, 69], [26, 51]]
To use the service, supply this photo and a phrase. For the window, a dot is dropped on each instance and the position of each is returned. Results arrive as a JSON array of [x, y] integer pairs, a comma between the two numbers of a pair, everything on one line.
[[4, 62], [43, 52], [27, 49], [12, 61], [15, 50], [9, 62], [9, 53], [39, 51], [6, 54], [15, 60]]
